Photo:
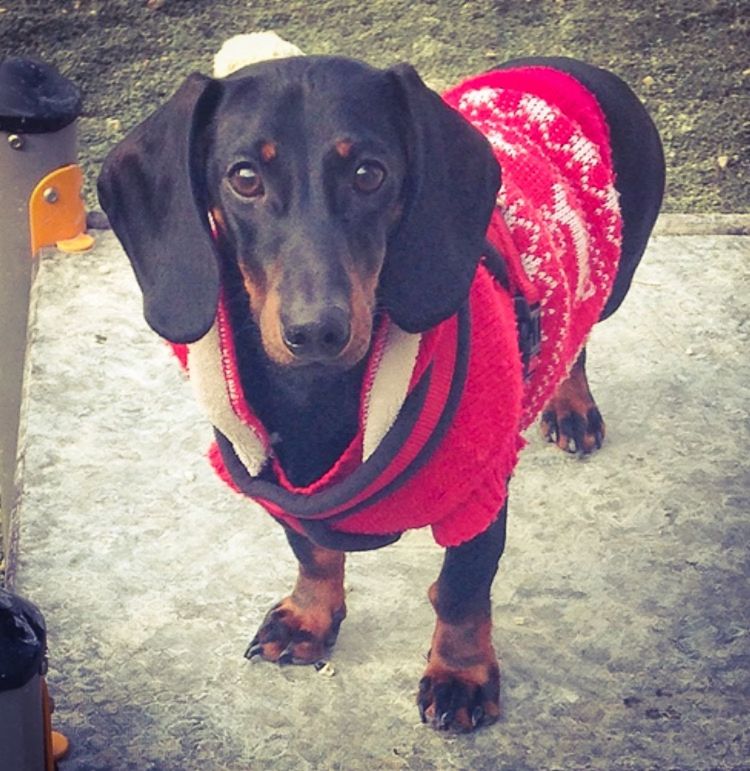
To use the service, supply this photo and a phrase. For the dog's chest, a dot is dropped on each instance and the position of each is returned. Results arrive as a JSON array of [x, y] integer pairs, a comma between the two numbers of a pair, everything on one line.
[[310, 421]]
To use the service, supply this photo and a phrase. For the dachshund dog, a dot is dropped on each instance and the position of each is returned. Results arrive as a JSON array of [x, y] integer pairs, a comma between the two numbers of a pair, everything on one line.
[[351, 271]]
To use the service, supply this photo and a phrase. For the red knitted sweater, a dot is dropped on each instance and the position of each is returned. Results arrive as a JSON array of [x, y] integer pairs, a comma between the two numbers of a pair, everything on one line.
[[442, 413]]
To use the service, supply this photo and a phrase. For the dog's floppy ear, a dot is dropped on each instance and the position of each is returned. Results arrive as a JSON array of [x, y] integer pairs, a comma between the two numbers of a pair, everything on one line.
[[150, 189], [452, 183]]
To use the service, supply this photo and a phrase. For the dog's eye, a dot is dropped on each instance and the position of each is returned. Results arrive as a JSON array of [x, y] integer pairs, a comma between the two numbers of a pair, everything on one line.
[[245, 180], [369, 177]]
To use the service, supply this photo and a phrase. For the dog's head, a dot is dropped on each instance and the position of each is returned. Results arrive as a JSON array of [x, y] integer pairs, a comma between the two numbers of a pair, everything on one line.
[[336, 187]]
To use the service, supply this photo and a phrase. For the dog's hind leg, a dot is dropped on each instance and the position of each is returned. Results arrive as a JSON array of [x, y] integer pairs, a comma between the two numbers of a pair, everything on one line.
[[571, 419], [461, 686], [303, 626]]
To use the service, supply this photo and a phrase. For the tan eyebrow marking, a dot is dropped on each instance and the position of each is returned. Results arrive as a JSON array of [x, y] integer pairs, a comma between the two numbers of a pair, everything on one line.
[[268, 151], [344, 147]]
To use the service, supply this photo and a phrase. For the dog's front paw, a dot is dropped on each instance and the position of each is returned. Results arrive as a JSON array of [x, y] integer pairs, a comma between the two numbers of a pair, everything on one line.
[[571, 419], [463, 699], [291, 634], [575, 427]]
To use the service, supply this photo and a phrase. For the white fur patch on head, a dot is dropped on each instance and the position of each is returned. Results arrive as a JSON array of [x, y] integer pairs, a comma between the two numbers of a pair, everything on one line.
[[241, 50]]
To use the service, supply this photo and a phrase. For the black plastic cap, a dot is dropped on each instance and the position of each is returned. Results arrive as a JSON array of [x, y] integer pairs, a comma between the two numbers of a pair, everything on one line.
[[35, 98], [23, 641]]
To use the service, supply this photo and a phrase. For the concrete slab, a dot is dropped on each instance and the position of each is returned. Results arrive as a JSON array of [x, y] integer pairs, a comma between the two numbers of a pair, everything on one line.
[[621, 605]]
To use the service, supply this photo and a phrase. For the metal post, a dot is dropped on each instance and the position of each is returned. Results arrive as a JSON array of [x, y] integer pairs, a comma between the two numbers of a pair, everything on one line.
[[38, 108], [23, 718]]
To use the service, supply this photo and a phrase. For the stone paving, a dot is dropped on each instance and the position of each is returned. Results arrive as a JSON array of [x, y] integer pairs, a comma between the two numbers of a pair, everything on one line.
[[621, 606]]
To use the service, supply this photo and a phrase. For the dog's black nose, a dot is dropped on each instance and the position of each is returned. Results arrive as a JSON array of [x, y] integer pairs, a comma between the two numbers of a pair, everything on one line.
[[321, 339]]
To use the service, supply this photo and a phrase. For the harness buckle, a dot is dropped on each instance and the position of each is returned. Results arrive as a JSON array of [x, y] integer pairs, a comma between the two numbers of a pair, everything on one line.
[[528, 320]]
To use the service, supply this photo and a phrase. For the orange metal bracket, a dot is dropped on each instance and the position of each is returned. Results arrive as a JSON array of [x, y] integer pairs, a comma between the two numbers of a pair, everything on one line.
[[56, 211]]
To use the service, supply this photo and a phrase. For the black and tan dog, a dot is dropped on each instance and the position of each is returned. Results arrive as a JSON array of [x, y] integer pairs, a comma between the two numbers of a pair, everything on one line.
[[315, 196]]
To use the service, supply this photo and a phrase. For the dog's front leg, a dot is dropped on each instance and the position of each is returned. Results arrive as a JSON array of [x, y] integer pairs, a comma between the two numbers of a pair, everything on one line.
[[303, 626], [461, 685]]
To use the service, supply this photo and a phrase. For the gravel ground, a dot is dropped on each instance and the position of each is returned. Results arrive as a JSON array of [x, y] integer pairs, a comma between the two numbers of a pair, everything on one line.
[[686, 58]]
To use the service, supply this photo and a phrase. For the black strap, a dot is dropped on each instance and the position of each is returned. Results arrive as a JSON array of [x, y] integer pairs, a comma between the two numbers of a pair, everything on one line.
[[528, 315], [310, 511], [529, 327], [495, 263]]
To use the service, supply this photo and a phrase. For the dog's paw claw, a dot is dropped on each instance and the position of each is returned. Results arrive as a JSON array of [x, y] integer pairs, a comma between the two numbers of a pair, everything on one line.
[[286, 656], [253, 649]]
